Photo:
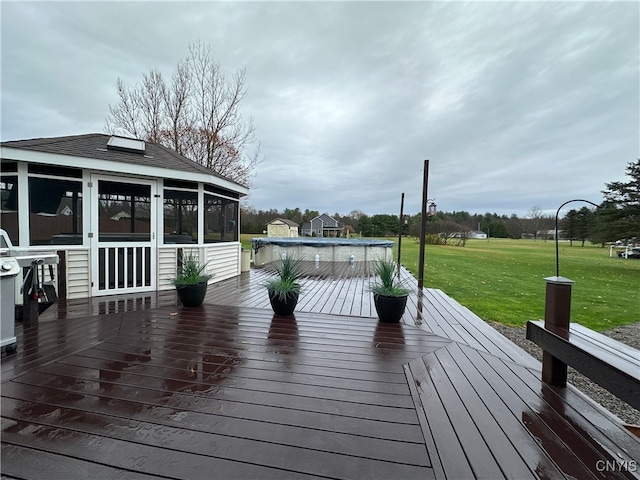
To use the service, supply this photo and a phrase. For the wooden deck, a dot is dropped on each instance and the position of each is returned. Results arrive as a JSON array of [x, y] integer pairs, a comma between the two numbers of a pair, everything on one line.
[[342, 289], [137, 387]]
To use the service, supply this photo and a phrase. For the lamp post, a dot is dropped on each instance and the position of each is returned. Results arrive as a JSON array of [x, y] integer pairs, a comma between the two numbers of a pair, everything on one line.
[[428, 207], [423, 230], [557, 313], [400, 231], [433, 208], [556, 229]]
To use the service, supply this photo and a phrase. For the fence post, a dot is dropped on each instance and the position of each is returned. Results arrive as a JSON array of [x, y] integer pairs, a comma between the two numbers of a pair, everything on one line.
[[62, 274], [557, 315]]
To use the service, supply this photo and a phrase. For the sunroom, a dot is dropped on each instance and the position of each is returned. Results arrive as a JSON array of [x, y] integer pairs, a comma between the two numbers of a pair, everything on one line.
[[119, 212]]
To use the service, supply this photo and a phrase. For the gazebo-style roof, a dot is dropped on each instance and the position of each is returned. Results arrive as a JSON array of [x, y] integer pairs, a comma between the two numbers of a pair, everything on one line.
[[93, 150]]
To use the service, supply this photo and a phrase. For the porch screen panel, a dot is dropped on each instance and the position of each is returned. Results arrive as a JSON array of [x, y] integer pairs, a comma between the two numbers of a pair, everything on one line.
[[9, 205], [220, 219], [124, 212], [55, 211], [180, 217]]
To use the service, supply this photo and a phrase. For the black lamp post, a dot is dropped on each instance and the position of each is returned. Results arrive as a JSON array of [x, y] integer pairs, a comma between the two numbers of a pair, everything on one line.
[[400, 232], [557, 314], [428, 208], [423, 229], [556, 230]]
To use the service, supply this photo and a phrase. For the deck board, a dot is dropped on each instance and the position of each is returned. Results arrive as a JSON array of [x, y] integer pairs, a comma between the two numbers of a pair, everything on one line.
[[331, 392], [33, 462], [483, 412], [231, 390], [322, 292]]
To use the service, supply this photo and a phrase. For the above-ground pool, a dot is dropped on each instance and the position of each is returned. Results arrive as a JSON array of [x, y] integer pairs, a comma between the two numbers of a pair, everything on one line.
[[269, 249]]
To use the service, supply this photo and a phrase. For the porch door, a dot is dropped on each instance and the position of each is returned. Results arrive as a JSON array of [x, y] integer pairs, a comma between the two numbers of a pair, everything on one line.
[[124, 240]]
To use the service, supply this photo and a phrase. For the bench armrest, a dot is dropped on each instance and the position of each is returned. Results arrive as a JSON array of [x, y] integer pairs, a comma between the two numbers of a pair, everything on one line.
[[609, 363]]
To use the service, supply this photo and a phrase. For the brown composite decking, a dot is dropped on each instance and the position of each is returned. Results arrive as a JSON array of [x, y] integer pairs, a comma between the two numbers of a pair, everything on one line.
[[136, 386], [344, 290]]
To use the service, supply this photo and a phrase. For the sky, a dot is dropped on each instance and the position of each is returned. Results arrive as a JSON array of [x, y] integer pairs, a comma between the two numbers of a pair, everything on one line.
[[515, 104]]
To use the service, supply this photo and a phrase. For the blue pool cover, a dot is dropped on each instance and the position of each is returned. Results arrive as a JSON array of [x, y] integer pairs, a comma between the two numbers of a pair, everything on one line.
[[319, 242]]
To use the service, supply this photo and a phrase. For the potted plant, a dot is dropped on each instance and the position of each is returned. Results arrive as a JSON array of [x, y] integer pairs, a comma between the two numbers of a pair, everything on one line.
[[284, 289], [191, 281], [389, 294]]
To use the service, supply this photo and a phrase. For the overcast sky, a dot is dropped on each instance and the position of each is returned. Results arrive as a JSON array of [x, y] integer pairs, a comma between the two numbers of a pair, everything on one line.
[[515, 104]]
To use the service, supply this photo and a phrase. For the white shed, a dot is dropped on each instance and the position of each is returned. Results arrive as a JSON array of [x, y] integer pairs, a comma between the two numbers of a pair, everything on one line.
[[282, 227]]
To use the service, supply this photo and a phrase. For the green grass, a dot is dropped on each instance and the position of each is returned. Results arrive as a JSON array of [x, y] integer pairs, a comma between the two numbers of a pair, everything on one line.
[[503, 280], [245, 239]]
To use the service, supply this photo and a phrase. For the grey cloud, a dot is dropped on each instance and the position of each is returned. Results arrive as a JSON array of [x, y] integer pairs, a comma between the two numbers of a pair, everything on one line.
[[515, 103]]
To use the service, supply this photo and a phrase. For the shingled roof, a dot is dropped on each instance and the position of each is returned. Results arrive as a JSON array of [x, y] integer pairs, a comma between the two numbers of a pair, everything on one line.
[[291, 223], [94, 146]]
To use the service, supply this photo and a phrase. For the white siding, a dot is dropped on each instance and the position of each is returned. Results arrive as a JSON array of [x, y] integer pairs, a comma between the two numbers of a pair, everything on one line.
[[78, 277], [223, 261], [167, 261]]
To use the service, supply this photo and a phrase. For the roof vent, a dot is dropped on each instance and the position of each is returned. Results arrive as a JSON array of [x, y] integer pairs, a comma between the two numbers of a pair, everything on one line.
[[123, 144]]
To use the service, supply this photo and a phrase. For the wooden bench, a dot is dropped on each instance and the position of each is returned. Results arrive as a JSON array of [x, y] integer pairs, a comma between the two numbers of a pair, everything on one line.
[[609, 363]]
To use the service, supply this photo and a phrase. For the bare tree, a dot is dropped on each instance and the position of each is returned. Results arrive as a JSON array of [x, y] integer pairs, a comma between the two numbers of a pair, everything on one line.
[[514, 226], [537, 220], [197, 114]]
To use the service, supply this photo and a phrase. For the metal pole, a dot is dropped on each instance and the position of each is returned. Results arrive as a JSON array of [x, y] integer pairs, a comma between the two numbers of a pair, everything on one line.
[[423, 235], [400, 231], [423, 227], [556, 229]]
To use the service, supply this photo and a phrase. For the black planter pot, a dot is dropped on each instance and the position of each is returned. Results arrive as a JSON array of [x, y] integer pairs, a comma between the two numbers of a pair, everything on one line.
[[192, 295], [390, 309], [283, 307]]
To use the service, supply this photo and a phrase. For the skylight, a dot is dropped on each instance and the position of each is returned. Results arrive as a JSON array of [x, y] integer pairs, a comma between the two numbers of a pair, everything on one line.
[[126, 145]]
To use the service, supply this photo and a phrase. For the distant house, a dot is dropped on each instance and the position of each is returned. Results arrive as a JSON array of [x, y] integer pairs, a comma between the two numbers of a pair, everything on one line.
[[121, 215], [477, 234], [66, 211], [471, 234], [548, 234], [322, 226], [282, 227]]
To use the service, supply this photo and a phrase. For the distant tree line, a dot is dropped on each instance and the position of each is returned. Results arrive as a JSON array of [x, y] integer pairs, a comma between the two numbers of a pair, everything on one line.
[[616, 218], [383, 225]]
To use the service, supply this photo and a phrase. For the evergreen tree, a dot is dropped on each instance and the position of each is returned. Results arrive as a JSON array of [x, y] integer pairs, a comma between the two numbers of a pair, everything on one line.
[[569, 226], [584, 219], [620, 212]]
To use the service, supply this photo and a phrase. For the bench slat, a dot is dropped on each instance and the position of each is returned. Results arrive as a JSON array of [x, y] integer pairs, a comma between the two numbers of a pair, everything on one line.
[[617, 348], [620, 374]]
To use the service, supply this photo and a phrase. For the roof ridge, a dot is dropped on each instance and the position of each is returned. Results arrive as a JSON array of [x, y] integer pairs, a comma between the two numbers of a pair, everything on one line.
[[40, 140], [86, 144]]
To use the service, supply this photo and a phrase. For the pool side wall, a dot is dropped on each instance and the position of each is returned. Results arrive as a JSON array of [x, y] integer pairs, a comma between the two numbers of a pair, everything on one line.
[[326, 253]]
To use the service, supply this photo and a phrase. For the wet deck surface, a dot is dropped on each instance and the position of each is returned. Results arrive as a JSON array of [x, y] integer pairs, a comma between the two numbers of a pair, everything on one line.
[[183, 392], [137, 387]]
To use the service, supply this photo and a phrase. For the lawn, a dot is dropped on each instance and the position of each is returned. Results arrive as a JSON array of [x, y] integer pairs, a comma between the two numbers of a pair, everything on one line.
[[502, 280]]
